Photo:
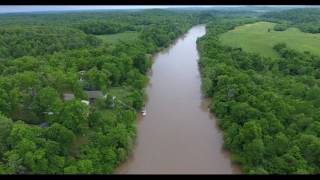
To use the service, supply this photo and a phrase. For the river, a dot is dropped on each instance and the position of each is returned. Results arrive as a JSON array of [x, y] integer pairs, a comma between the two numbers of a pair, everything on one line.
[[178, 135]]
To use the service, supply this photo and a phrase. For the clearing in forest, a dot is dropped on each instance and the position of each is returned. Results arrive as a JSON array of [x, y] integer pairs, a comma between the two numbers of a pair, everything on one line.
[[256, 38]]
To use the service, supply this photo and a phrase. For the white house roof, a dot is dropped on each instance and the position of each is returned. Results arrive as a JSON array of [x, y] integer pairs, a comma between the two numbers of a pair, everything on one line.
[[94, 94], [68, 96]]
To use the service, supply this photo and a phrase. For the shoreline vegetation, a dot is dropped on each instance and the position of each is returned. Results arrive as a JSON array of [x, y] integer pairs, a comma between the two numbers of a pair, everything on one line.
[[267, 108]]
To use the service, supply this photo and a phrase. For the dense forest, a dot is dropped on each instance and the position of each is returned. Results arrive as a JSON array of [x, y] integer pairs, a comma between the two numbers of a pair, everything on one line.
[[306, 19], [68, 101], [268, 108], [21, 41]]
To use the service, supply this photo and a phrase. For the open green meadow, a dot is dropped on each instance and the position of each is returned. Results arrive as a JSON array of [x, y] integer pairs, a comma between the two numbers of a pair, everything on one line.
[[256, 38], [113, 38]]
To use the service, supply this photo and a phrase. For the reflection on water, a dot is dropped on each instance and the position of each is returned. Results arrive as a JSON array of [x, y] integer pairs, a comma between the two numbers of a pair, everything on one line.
[[178, 135]]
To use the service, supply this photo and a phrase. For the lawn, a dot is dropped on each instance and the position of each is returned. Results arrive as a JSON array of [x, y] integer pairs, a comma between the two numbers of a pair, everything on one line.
[[125, 36], [256, 38]]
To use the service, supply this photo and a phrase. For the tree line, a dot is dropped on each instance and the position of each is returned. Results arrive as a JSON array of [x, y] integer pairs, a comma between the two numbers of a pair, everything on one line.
[[306, 19]]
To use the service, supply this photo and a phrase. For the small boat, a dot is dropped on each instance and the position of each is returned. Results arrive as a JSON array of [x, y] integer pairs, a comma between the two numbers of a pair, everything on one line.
[[144, 113]]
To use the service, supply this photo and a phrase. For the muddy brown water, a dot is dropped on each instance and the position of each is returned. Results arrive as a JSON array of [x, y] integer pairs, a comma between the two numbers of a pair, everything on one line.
[[178, 135]]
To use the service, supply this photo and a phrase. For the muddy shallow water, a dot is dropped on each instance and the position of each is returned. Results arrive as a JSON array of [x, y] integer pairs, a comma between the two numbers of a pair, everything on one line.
[[178, 135]]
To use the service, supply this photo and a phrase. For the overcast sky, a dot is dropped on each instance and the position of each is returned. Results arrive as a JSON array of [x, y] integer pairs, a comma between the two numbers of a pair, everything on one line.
[[12, 9], [39, 8], [7, 9]]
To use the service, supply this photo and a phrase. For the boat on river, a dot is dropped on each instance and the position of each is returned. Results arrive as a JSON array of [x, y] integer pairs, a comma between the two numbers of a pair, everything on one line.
[[144, 113]]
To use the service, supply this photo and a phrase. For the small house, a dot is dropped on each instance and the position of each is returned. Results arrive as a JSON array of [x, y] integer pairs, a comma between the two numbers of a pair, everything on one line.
[[68, 96], [93, 95]]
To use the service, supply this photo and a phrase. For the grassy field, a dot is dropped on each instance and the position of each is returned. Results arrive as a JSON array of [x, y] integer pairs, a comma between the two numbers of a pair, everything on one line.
[[256, 38], [113, 38]]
